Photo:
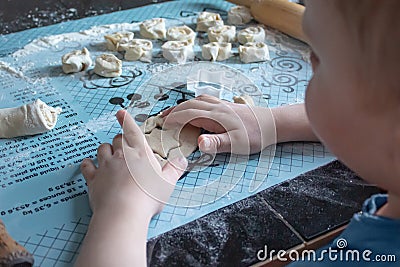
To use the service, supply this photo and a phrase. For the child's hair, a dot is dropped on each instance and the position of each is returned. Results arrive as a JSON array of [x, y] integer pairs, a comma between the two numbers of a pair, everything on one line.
[[375, 27]]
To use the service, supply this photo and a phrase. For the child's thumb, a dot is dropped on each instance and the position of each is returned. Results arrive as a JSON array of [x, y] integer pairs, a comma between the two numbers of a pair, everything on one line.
[[174, 169], [215, 143]]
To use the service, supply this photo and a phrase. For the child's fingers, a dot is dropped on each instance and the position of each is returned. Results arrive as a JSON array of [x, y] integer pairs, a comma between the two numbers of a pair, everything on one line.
[[132, 133], [174, 169], [215, 143], [104, 152], [88, 170], [184, 116], [117, 142]]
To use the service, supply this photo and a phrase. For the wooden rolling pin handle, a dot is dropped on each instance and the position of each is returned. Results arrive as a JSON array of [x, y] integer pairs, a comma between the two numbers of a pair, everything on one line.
[[282, 15], [11, 253]]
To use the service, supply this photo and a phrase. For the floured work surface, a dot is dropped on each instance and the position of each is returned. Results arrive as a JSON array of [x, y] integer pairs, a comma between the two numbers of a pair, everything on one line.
[[43, 195]]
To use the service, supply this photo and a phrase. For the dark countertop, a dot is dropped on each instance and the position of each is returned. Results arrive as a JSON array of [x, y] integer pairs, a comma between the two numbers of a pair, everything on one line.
[[280, 217]]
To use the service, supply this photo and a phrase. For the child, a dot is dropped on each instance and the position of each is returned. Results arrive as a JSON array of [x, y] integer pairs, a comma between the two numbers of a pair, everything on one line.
[[352, 105]]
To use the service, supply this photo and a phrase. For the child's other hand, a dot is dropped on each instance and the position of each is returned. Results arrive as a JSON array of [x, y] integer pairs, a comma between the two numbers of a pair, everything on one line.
[[237, 128], [128, 176]]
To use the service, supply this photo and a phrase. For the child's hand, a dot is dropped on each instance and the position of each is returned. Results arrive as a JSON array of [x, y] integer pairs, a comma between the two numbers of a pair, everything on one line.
[[238, 128], [128, 176]]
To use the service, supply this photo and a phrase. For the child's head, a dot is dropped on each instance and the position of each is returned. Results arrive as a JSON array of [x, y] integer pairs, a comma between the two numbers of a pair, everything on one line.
[[353, 99]]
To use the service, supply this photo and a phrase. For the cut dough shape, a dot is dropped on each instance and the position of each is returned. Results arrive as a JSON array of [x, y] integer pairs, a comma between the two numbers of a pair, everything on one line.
[[115, 40], [138, 49], [169, 144], [76, 61], [216, 51], [253, 52], [251, 35], [206, 20], [244, 99], [162, 141], [29, 119], [181, 33], [178, 51], [108, 65], [151, 123], [239, 15], [153, 28], [222, 34]]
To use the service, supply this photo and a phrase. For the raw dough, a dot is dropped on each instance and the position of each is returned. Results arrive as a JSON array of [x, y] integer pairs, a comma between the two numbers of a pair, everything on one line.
[[108, 65], [251, 35], [115, 40], [76, 61], [181, 33], [153, 28], [206, 20], [239, 15], [222, 33], [178, 51], [244, 99], [138, 49], [253, 52], [169, 144], [216, 51], [29, 119]]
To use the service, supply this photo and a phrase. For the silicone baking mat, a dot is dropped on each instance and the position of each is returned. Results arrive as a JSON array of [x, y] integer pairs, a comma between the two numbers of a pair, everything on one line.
[[43, 195]]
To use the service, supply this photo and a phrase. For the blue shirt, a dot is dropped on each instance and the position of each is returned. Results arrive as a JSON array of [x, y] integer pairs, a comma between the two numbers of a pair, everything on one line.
[[368, 240]]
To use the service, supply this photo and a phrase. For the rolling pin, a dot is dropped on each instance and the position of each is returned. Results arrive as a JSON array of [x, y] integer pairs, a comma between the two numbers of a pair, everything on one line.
[[11, 253], [282, 15]]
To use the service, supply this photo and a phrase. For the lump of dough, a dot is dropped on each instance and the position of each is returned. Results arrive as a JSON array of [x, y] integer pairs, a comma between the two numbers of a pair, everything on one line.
[[244, 99], [253, 52], [76, 61], [251, 35], [153, 28], [115, 40], [171, 143], [29, 119], [216, 51], [181, 33], [138, 49], [178, 51], [206, 20], [152, 123], [222, 33], [108, 65], [239, 15]]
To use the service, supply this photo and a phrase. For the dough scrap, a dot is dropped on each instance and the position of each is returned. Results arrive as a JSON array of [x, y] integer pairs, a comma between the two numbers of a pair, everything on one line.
[[29, 119], [206, 20], [239, 15], [151, 123], [108, 65], [244, 99], [178, 51], [251, 35], [76, 61], [253, 52], [224, 33], [181, 33], [116, 39], [153, 28], [217, 51], [138, 49], [169, 144]]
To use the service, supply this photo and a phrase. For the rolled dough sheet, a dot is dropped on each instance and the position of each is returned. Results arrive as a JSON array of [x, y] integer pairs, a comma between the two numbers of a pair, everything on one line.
[[29, 119]]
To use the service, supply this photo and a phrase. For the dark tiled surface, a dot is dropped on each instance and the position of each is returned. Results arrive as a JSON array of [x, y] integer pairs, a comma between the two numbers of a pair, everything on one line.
[[320, 200], [231, 236], [311, 205]]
